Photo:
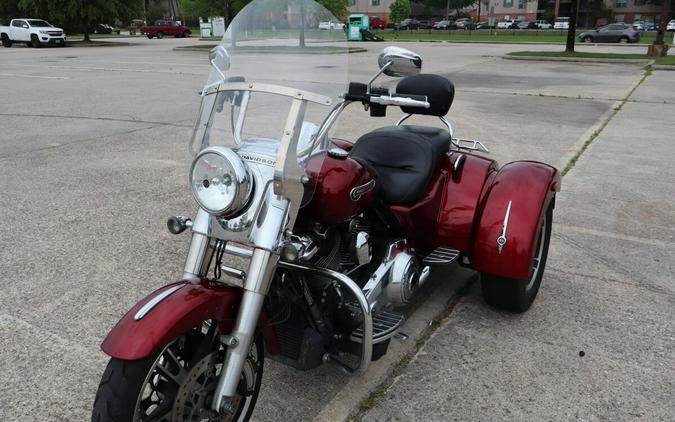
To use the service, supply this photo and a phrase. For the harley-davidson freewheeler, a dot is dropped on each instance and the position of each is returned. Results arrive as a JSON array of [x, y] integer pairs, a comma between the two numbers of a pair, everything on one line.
[[305, 247]]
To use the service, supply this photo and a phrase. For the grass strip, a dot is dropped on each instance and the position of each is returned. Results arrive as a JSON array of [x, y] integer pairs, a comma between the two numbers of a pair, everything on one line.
[[503, 35], [584, 55]]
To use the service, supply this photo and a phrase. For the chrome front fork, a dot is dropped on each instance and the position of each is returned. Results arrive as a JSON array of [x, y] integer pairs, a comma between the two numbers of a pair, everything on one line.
[[260, 274], [265, 235]]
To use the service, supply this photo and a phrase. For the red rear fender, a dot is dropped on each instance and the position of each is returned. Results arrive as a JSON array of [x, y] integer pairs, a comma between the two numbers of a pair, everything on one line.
[[529, 187]]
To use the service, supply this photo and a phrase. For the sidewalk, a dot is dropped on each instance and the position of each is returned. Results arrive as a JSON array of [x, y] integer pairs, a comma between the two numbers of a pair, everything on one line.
[[608, 292]]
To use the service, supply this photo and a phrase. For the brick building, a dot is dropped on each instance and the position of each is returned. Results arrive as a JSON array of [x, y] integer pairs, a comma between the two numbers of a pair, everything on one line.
[[628, 11]]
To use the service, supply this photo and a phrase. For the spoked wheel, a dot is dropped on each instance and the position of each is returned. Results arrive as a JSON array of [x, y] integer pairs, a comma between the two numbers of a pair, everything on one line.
[[178, 383], [517, 295]]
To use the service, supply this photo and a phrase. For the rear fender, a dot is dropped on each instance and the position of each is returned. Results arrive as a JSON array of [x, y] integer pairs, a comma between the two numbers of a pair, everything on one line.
[[529, 188], [192, 302]]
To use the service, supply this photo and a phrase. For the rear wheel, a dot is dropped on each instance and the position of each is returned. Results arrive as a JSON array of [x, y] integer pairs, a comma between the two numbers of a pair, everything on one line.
[[6, 42], [517, 295], [177, 384], [149, 36], [587, 39], [35, 41], [160, 35], [623, 40], [186, 34]]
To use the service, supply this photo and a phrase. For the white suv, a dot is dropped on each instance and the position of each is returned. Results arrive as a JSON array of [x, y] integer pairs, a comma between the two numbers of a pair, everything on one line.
[[671, 26]]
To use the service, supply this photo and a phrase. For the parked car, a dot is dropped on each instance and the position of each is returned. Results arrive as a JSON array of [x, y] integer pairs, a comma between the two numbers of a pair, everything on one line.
[[426, 24], [408, 24], [507, 24], [329, 25], [377, 22], [539, 24], [671, 26], [445, 24], [561, 23], [638, 26], [166, 27], [616, 32], [484, 25], [649, 26], [34, 32], [104, 28], [464, 23], [523, 24], [601, 22]]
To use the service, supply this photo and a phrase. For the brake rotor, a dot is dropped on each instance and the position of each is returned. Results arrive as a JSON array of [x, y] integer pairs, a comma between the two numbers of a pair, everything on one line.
[[193, 400]]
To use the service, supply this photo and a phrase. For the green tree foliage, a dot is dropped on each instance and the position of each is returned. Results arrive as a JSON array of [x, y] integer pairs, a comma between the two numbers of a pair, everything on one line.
[[193, 9], [400, 9], [81, 15]]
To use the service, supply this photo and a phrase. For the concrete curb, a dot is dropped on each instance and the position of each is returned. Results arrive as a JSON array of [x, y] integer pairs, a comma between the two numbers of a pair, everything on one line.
[[348, 401], [351, 50], [98, 44], [663, 67], [577, 59]]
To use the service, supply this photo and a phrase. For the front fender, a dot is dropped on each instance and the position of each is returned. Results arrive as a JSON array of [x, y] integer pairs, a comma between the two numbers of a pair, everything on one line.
[[529, 187], [197, 300]]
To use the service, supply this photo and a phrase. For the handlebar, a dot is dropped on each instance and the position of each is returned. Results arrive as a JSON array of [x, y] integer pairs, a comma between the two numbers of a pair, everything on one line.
[[399, 100]]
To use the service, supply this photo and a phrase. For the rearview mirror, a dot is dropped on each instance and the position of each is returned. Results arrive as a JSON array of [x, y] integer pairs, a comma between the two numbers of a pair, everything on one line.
[[397, 61]]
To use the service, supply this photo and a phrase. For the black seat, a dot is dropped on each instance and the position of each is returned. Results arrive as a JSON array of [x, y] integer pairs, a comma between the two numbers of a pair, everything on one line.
[[404, 158]]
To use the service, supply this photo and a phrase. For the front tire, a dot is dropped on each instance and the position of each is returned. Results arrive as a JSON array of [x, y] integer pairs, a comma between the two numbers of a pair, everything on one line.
[[517, 295], [624, 40], [177, 383], [35, 41], [587, 39]]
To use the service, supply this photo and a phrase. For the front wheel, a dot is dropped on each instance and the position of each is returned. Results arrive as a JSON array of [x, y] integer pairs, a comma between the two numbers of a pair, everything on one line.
[[35, 41], [517, 295], [623, 40], [587, 39], [177, 384]]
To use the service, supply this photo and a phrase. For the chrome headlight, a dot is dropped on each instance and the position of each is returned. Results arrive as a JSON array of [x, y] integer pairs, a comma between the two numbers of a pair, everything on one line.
[[220, 181]]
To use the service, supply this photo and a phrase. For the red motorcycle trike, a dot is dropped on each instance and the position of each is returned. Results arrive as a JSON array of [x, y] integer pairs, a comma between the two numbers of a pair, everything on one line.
[[305, 247]]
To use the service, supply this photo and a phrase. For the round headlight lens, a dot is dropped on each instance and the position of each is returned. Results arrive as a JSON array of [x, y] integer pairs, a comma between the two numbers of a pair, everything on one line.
[[219, 180]]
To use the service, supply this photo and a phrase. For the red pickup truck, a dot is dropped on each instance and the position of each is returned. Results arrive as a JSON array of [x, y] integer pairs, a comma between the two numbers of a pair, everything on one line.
[[166, 27]]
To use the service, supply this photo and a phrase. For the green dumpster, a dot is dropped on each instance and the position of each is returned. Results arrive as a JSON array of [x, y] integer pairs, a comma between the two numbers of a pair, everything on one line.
[[357, 23]]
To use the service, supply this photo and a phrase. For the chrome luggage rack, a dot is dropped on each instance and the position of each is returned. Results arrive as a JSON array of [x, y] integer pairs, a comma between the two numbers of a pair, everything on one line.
[[469, 144]]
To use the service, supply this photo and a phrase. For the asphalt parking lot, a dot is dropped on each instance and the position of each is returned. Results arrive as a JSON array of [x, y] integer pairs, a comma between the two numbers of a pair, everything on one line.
[[93, 158]]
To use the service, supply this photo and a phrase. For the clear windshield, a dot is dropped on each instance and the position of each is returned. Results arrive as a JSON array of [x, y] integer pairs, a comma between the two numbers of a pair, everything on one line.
[[274, 50]]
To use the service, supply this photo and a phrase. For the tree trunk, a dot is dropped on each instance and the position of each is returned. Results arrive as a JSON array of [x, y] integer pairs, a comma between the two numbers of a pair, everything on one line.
[[302, 23], [665, 18], [571, 32]]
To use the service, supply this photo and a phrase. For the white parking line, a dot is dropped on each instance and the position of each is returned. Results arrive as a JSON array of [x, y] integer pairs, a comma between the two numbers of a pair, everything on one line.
[[33, 76]]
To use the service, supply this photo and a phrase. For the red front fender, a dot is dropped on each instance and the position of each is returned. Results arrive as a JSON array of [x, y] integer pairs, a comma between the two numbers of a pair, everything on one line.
[[529, 187], [197, 300]]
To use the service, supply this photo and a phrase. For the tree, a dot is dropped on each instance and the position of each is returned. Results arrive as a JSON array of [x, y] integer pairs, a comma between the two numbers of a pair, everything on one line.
[[84, 14], [204, 8], [336, 7], [400, 9]]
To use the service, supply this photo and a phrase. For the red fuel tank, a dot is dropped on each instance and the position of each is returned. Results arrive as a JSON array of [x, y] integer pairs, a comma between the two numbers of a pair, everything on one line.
[[342, 188]]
